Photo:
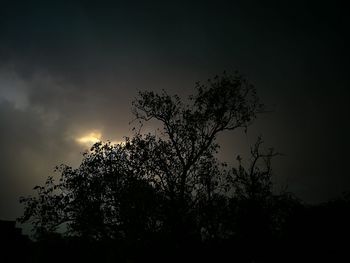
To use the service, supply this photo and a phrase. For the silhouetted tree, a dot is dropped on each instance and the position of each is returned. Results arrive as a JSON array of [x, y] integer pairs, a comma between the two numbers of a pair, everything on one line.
[[105, 197], [186, 166], [167, 185], [166, 193]]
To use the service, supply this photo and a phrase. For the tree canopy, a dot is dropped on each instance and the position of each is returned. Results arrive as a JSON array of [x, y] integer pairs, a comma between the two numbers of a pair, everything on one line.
[[166, 194], [168, 184]]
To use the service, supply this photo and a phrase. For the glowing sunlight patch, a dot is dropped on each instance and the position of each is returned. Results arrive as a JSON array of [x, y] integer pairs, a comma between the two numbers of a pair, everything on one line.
[[90, 138]]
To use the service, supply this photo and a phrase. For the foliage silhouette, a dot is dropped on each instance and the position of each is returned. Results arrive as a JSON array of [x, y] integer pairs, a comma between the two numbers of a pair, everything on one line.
[[167, 192], [150, 181]]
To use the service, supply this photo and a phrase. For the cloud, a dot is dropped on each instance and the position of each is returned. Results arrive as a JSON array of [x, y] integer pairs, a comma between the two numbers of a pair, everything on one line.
[[33, 137], [41, 117], [13, 89]]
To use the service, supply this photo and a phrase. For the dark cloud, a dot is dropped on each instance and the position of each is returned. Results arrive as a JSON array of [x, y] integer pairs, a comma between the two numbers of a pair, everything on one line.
[[70, 67]]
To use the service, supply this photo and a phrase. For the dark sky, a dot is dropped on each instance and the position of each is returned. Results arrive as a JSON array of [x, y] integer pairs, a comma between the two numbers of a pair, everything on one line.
[[69, 69]]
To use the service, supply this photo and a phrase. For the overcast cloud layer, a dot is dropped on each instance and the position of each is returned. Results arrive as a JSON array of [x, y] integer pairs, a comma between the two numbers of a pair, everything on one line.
[[68, 69]]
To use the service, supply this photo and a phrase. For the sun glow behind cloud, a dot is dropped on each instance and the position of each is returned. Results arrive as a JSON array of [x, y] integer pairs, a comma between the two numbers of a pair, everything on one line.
[[90, 138]]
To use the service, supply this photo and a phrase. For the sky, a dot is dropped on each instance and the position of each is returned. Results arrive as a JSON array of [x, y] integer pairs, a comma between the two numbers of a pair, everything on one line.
[[69, 71]]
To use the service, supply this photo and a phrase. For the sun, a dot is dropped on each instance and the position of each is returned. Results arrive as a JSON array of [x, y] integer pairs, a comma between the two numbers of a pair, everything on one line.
[[90, 138]]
